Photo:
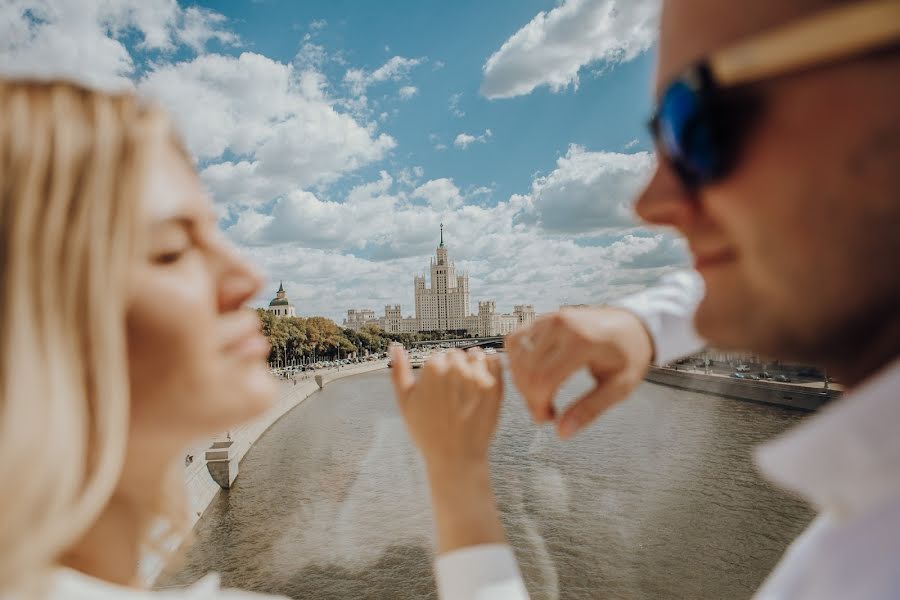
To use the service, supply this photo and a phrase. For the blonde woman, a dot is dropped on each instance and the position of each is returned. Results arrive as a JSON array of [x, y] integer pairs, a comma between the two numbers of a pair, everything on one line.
[[124, 337]]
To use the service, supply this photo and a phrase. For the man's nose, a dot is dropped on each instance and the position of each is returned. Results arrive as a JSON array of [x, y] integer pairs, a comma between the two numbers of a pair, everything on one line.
[[666, 201]]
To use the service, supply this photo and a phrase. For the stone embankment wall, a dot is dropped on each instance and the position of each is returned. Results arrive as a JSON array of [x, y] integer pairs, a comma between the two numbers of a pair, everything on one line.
[[201, 489], [783, 394], [200, 485]]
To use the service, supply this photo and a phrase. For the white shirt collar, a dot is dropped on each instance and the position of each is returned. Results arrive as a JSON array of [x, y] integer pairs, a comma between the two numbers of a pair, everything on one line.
[[846, 459]]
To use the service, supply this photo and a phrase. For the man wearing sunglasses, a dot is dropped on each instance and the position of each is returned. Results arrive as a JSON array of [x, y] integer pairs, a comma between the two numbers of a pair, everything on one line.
[[778, 142], [778, 137]]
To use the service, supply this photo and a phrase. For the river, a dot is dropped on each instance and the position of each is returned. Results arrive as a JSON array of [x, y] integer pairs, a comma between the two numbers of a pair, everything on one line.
[[658, 500]]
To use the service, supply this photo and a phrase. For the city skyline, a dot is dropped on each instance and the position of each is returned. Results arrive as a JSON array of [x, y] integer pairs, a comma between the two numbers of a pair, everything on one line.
[[443, 303]]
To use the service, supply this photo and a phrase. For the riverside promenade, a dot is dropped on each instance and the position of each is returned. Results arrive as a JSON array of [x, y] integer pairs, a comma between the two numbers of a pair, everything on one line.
[[802, 396], [200, 486]]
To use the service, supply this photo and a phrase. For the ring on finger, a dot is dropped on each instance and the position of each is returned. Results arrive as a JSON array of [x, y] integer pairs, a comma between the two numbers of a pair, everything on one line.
[[526, 343]]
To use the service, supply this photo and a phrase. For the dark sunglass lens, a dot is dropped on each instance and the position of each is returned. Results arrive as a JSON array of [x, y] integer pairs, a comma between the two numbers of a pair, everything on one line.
[[685, 133], [677, 110], [703, 157]]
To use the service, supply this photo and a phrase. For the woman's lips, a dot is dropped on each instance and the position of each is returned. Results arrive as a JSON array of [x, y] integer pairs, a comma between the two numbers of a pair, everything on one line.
[[251, 345]]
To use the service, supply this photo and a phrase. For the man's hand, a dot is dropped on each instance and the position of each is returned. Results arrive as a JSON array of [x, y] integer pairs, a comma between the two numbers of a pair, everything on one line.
[[452, 410], [612, 343]]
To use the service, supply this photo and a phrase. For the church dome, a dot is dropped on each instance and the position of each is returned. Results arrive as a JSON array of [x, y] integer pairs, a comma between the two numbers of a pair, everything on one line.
[[279, 302]]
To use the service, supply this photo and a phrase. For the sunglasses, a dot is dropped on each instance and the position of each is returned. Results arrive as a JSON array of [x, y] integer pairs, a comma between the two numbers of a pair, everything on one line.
[[702, 114]]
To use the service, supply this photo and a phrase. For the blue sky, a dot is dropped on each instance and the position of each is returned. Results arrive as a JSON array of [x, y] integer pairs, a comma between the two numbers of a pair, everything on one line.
[[608, 111], [335, 136]]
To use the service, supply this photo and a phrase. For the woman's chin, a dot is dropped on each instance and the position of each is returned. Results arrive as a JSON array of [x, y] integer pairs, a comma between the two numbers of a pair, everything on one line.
[[252, 393], [262, 387]]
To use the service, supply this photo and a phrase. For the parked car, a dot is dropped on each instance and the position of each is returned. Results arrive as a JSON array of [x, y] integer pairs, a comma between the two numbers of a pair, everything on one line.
[[742, 369], [782, 379], [737, 375], [809, 372], [764, 375], [753, 376]]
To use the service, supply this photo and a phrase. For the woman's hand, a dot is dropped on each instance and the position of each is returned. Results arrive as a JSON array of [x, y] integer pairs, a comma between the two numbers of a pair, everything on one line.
[[452, 410], [451, 413]]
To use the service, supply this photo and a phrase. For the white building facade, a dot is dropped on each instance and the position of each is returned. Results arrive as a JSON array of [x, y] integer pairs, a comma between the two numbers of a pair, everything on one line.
[[488, 322], [357, 318], [394, 321], [524, 314]]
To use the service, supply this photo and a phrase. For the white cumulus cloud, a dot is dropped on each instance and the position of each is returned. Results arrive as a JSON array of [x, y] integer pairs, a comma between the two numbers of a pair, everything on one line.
[[381, 234], [553, 47], [455, 110], [441, 194], [408, 91], [464, 140], [396, 69], [276, 115], [590, 191], [83, 39]]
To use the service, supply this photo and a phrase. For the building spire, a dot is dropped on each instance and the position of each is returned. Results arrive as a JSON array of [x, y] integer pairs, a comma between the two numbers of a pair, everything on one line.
[[442, 236], [281, 286]]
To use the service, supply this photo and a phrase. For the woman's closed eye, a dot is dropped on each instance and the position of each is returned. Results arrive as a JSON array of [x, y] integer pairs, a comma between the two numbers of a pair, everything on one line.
[[169, 257], [171, 244]]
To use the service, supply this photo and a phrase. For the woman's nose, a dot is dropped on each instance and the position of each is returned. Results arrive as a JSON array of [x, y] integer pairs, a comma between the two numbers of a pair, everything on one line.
[[240, 281]]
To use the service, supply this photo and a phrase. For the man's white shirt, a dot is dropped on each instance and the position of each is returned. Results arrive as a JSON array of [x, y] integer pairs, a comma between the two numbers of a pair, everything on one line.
[[846, 463]]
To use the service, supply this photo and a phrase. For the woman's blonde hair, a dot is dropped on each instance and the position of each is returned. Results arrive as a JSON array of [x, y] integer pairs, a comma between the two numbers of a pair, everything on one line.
[[71, 168]]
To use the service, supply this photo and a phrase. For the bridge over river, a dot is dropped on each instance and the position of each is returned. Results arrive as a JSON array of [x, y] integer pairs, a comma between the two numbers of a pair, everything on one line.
[[464, 343]]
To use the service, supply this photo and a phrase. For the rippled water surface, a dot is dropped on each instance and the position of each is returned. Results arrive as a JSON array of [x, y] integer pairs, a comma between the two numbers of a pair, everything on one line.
[[658, 500]]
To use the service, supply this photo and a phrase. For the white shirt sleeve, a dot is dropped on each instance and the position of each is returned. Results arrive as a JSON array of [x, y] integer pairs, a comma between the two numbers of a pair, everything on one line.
[[485, 572], [667, 311]]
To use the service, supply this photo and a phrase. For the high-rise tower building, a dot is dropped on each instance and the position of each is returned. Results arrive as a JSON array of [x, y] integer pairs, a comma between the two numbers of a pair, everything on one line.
[[444, 305]]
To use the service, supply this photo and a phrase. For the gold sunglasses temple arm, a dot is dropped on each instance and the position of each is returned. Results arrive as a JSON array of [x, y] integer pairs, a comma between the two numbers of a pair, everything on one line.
[[828, 36]]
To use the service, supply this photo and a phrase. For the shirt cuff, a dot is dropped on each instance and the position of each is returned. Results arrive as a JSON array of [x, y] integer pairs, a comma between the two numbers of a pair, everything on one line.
[[484, 572], [667, 312]]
